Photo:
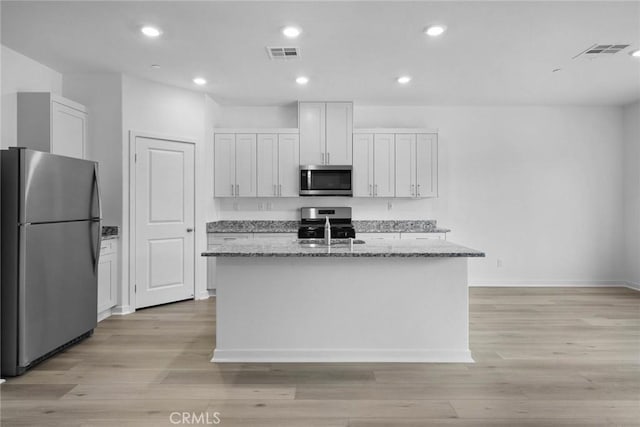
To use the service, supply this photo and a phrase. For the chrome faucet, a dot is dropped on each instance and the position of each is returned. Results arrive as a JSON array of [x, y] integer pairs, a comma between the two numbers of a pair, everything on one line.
[[327, 231]]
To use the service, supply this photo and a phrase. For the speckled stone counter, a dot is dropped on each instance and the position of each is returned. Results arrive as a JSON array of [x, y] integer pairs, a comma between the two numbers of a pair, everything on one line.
[[110, 231], [374, 248], [361, 226], [276, 226], [398, 226]]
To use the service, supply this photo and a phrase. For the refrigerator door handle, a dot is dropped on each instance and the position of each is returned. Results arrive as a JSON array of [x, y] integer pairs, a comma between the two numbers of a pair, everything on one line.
[[97, 186], [98, 239]]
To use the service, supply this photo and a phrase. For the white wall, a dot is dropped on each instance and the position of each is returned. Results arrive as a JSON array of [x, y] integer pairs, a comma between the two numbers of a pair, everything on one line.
[[154, 108], [536, 187], [102, 95], [22, 74], [631, 123], [256, 117]]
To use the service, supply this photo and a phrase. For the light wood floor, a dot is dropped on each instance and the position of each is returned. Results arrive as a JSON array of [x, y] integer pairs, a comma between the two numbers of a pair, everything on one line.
[[545, 357]]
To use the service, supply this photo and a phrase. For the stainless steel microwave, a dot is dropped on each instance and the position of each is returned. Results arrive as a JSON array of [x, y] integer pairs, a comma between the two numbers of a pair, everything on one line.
[[326, 180]]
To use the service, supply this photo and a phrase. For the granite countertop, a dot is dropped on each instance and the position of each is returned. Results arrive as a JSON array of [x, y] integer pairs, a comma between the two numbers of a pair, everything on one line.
[[110, 232], [374, 248], [369, 226]]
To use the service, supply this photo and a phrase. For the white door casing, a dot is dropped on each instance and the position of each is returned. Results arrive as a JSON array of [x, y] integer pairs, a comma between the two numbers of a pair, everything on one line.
[[164, 245]]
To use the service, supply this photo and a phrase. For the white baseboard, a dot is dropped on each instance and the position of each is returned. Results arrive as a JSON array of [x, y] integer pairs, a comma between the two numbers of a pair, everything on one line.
[[342, 356], [555, 284], [212, 292], [105, 314], [202, 295], [1, 380], [633, 285], [122, 310]]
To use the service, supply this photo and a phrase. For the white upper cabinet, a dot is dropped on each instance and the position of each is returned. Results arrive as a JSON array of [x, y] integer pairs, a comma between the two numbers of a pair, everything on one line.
[[267, 164], [288, 165], [312, 124], [225, 165], [339, 117], [416, 165], [246, 165], [363, 165], [277, 165], [427, 165], [51, 123], [326, 132], [384, 165], [235, 165], [405, 165], [373, 165]]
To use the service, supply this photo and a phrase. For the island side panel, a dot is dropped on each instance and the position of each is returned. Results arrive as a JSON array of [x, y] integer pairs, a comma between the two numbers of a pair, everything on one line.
[[310, 309]]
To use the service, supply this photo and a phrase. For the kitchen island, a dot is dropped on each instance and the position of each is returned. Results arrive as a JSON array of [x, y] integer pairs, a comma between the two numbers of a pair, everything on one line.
[[382, 301]]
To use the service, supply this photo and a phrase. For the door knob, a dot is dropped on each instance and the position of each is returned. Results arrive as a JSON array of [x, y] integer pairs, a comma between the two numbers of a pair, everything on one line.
[[189, 230]]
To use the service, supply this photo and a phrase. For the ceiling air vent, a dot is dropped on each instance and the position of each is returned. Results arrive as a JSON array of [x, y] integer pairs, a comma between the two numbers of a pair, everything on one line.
[[283, 52], [601, 50]]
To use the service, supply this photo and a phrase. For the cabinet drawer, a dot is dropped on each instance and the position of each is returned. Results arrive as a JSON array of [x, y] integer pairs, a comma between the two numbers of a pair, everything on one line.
[[217, 238], [377, 236]]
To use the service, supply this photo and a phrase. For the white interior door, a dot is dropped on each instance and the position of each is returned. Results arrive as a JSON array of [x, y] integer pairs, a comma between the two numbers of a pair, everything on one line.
[[164, 233]]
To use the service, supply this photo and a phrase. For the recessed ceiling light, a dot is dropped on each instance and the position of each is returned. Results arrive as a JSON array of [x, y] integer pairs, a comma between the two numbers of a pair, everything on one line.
[[435, 30], [404, 80], [302, 80], [150, 31], [635, 53], [200, 81], [291, 32]]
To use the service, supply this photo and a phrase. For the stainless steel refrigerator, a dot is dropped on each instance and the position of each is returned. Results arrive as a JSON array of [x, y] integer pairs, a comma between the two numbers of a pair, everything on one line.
[[51, 230]]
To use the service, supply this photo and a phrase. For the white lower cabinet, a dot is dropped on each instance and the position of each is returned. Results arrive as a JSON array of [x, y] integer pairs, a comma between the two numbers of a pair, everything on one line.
[[107, 278], [280, 236]]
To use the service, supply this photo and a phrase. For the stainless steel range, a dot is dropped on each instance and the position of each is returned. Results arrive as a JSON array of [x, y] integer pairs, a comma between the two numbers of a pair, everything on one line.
[[312, 223]]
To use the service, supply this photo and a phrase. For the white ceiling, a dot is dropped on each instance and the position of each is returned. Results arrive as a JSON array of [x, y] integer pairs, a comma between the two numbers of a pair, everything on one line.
[[494, 53]]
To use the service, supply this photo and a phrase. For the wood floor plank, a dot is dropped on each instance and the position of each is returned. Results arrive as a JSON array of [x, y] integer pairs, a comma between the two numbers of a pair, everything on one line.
[[544, 357]]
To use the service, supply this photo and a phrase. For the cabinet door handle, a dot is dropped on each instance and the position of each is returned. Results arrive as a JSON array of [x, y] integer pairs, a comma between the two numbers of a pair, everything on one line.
[[237, 189], [232, 193], [328, 158], [274, 190], [418, 189], [280, 190], [413, 191], [322, 155], [370, 190], [375, 189]]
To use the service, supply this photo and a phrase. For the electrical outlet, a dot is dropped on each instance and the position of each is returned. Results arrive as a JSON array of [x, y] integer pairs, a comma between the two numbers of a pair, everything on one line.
[[499, 263]]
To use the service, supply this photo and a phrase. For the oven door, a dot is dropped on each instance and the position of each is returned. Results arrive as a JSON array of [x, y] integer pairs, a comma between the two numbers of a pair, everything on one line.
[[325, 180]]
